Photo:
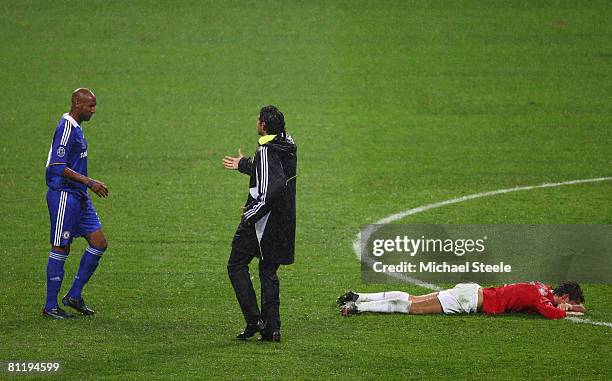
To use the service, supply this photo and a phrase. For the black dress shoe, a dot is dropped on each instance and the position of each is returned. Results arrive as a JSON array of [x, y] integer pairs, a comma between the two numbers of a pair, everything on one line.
[[270, 336], [56, 313], [251, 330], [78, 304]]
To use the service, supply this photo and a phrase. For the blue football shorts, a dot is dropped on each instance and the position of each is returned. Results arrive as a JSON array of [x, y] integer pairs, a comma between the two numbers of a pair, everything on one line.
[[71, 216]]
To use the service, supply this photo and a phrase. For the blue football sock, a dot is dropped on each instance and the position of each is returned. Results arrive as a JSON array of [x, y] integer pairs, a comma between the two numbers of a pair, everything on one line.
[[55, 275], [89, 262]]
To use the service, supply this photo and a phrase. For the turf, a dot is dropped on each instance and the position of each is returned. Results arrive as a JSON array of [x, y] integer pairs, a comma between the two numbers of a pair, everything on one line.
[[393, 105]]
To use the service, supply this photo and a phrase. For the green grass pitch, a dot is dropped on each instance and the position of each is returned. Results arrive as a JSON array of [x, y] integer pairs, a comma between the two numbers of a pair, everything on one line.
[[393, 105]]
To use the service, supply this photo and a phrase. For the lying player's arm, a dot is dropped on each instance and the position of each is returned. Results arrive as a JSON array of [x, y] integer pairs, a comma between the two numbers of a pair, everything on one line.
[[572, 307], [96, 186], [578, 308], [548, 310]]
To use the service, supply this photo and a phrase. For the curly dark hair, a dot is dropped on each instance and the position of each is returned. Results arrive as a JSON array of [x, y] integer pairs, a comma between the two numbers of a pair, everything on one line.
[[572, 289], [273, 118]]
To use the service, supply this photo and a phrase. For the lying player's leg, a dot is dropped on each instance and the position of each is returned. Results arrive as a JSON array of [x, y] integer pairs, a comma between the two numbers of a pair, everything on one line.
[[463, 298], [387, 295], [418, 298], [351, 296], [382, 306], [429, 305], [426, 304]]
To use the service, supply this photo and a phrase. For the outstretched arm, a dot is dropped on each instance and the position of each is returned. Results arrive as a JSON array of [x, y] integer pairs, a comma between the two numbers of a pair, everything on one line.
[[572, 307], [545, 308], [578, 308], [241, 163]]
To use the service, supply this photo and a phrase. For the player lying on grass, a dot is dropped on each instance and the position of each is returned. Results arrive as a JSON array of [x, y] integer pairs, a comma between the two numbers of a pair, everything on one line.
[[533, 297]]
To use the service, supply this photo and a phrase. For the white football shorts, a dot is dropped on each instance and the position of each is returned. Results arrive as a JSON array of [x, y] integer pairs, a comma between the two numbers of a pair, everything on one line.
[[463, 298]]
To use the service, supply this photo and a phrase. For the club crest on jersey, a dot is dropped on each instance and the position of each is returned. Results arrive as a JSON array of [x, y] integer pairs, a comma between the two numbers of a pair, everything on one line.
[[61, 151], [66, 234], [542, 291]]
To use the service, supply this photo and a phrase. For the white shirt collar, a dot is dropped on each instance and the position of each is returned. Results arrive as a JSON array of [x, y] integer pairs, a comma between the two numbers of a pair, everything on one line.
[[71, 120]]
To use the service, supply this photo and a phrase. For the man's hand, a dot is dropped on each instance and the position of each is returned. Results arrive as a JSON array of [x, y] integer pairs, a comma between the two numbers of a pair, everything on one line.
[[232, 162], [243, 219], [565, 307], [578, 308], [98, 187], [574, 313]]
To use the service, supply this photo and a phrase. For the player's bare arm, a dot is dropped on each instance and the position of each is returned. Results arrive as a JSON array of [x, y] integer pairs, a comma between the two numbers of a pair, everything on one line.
[[573, 309], [577, 308], [230, 162], [96, 186]]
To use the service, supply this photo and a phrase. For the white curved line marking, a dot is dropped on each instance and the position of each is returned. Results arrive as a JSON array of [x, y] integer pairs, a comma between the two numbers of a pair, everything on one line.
[[424, 208], [581, 320]]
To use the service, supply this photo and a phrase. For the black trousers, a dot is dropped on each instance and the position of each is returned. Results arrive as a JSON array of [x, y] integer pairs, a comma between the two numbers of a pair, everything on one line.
[[238, 270]]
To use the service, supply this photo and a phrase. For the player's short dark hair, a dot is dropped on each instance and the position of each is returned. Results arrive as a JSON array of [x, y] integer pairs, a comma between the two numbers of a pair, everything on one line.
[[572, 289], [273, 118]]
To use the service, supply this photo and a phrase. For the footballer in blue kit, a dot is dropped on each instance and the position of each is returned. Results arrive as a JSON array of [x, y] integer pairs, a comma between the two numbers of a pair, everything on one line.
[[71, 211]]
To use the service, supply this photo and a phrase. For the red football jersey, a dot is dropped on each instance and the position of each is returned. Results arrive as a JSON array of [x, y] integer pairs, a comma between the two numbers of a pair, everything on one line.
[[533, 297]]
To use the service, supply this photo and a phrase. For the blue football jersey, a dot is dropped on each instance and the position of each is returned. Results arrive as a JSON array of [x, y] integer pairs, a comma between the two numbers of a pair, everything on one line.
[[68, 148]]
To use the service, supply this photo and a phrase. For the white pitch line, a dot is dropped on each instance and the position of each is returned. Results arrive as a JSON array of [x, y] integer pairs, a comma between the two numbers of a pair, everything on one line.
[[424, 208], [588, 321]]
